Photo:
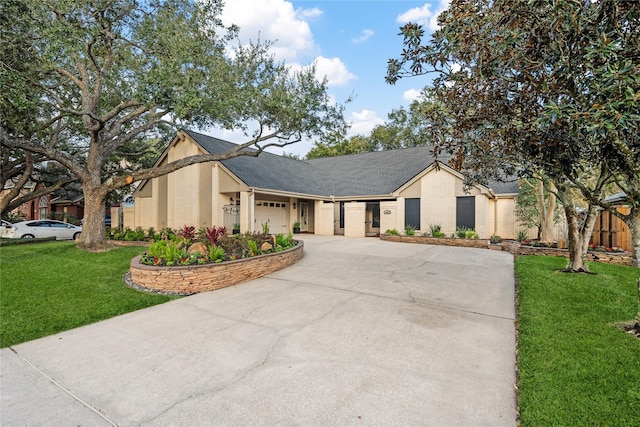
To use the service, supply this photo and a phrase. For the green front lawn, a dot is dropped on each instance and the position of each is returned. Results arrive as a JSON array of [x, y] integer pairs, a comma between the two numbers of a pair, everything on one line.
[[576, 367], [51, 287]]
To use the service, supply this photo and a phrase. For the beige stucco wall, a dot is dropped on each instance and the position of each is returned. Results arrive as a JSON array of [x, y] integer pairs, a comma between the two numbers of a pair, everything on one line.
[[141, 219], [128, 217], [482, 217], [389, 221], [413, 191], [182, 187], [354, 219], [247, 204], [492, 217], [223, 188], [439, 207], [505, 218], [323, 218], [160, 205], [204, 194]]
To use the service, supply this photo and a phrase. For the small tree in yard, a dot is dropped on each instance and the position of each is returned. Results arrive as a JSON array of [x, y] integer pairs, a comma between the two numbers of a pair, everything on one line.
[[106, 78], [540, 86], [536, 206]]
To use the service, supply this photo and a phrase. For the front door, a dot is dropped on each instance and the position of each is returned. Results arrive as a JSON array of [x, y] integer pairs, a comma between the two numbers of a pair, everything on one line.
[[304, 216], [372, 219]]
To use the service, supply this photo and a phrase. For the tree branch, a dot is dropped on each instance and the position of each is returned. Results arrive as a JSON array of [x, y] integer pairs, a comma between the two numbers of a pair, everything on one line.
[[63, 158], [13, 204]]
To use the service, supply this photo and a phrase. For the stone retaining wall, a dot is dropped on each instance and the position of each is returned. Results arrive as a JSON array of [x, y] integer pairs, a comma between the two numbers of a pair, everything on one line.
[[467, 243], [620, 258], [192, 279]]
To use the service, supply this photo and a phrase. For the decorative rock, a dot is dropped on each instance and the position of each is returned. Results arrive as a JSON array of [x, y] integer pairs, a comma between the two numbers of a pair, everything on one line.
[[199, 248], [266, 246]]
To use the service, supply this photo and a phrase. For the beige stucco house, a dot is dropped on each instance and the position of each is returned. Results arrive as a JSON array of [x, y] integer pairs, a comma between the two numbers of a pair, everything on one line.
[[357, 195]]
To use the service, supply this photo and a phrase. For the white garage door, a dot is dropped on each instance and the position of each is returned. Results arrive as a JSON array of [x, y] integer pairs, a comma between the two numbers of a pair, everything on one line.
[[272, 213]]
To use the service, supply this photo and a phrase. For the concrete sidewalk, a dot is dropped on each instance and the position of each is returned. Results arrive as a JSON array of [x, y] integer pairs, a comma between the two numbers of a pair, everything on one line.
[[359, 332]]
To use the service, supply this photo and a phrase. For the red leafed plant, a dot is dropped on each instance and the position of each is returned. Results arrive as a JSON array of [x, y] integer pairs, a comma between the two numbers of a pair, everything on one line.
[[188, 232], [214, 233]]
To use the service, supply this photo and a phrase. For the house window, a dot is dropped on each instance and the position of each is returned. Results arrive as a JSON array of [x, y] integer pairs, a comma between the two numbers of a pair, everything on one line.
[[412, 213], [341, 214], [43, 204], [466, 212]]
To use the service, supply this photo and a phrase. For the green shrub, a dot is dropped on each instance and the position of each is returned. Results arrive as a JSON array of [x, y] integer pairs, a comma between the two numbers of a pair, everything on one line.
[[13, 217], [216, 254], [64, 217], [158, 249], [471, 234], [409, 230], [495, 239], [461, 232], [522, 235], [285, 242], [392, 232], [172, 250], [130, 235], [435, 230], [253, 247], [167, 233]]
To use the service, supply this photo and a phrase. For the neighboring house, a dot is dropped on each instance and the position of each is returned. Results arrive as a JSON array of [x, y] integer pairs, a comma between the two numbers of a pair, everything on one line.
[[50, 205], [355, 195], [68, 207], [609, 230], [37, 208]]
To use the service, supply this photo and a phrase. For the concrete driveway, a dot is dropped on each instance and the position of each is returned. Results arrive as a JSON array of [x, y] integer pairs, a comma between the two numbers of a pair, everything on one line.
[[359, 332]]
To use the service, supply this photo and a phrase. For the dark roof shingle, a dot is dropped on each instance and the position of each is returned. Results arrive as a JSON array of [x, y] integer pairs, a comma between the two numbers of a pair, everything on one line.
[[376, 173]]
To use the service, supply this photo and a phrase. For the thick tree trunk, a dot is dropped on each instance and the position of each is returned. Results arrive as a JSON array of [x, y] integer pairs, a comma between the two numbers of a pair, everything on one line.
[[93, 231], [579, 230], [576, 253], [547, 209]]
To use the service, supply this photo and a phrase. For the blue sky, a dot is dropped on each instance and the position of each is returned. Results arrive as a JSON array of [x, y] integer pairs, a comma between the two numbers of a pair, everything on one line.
[[350, 41]]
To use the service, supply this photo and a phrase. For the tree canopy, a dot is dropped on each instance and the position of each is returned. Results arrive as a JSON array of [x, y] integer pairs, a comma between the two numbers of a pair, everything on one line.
[[405, 127], [543, 87], [89, 81]]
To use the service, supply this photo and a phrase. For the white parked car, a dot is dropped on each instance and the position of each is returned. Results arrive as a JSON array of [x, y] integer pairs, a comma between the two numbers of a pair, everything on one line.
[[5, 228], [43, 228]]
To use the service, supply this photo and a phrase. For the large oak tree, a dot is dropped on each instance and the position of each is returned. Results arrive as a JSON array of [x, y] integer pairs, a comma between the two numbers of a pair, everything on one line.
[[106, 77]]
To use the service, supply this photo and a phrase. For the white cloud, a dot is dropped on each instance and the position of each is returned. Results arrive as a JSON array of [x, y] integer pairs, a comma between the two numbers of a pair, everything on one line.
[[335, 71], [309, 13], [411, 95], [424, 16], [274, 20], [363, 122], [366, 35]]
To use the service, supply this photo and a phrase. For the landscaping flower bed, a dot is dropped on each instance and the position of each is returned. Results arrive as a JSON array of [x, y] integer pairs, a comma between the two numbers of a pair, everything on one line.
[[600, 254], [444, 241], [192, 279], [168, 265]]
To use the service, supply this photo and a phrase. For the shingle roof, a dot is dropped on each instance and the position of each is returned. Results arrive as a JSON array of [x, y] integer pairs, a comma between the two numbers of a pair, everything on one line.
[[368, 174], [267, 171]]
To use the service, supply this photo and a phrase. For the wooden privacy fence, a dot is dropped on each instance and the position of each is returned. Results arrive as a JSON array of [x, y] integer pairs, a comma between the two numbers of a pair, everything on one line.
[[611, 231]]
